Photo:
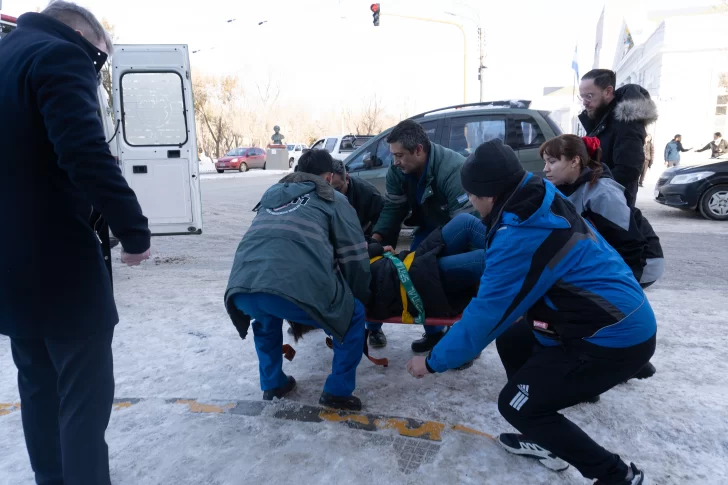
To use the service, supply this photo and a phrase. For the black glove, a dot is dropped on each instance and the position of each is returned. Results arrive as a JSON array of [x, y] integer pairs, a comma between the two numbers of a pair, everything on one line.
[[240, 320]]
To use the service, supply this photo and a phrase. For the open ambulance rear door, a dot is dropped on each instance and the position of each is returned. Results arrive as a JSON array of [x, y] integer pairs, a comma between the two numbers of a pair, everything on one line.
[[156, 135]]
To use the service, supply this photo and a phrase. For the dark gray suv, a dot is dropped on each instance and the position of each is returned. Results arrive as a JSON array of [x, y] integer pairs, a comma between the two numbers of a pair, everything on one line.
[[463, 128]]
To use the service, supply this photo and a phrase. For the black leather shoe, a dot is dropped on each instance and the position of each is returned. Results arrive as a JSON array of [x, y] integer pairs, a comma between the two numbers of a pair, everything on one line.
[[347, 403], [377, 339], [468, 364], [427, 342], [591, 400], [646, 372], [279, 392]]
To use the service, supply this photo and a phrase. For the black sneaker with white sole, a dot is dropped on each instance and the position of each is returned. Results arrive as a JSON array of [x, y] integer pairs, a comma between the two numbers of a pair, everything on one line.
[[519, 445], [638, 478]]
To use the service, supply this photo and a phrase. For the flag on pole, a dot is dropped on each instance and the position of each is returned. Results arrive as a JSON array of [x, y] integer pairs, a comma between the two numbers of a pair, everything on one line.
[[628, 41], [575, 62]]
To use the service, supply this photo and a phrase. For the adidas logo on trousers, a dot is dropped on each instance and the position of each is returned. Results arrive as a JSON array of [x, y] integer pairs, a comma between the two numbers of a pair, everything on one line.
[[521, 397]]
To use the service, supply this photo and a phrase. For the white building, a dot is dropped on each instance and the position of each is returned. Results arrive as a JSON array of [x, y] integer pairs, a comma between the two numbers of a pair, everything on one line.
[[680, 57], [563, 104]]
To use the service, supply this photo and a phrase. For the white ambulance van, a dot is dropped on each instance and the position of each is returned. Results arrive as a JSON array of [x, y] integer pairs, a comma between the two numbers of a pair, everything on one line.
[[151, 131]]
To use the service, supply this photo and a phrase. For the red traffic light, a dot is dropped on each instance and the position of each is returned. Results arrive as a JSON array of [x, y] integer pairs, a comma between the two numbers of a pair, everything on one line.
[[374, 7]]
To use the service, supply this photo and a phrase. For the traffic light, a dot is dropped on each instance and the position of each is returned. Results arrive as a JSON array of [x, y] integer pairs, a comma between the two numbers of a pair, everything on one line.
[[375, 13]]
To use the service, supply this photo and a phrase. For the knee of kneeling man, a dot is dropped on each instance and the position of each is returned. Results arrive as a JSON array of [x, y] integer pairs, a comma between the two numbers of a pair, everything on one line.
[[463, 217], [511, 404]]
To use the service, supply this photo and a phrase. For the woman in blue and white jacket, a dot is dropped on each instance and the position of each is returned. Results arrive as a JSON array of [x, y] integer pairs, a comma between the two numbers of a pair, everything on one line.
[[573, 165]]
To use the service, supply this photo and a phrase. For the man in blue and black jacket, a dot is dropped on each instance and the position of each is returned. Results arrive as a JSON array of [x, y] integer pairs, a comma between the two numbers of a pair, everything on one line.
[[588, 325]]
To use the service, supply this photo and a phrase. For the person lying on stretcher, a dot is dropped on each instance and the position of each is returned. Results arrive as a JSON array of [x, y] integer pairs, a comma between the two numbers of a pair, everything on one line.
[[445, 271]]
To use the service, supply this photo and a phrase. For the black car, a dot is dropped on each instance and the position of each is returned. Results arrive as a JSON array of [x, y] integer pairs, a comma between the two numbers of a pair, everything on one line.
[[702, 188]]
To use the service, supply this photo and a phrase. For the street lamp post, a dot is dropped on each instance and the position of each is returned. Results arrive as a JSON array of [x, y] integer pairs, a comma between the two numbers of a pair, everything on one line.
[[481, 49], [481, 66]]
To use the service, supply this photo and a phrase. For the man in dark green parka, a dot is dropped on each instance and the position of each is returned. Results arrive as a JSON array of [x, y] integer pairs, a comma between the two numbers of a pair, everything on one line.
[[424, 180], [303, 259]]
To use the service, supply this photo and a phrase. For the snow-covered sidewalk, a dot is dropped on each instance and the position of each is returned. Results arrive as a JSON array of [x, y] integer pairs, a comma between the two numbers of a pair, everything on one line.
[[243, 175], [175, 341]]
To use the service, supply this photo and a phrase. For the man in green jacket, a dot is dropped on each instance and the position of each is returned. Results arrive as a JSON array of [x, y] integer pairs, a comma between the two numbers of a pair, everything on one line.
[[424, 180], [304, 259]]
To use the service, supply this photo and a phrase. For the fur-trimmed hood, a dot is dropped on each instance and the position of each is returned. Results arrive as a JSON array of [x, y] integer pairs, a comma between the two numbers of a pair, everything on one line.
[[634, 104], [631, 103], [621, 129]]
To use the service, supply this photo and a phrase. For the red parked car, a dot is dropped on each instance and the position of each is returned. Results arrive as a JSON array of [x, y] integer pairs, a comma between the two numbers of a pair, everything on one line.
[[241, 159]]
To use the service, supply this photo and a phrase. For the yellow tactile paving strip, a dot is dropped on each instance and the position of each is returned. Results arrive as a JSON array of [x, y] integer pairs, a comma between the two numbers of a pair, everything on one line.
[[406, 427]]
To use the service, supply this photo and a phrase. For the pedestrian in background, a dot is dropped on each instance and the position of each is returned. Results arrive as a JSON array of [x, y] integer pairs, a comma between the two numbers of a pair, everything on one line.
[[649, 157], [672, 151], [718, 147], [56, 298]]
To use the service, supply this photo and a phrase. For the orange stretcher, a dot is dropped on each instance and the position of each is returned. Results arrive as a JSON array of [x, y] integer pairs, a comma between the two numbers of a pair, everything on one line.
[[430, 321]]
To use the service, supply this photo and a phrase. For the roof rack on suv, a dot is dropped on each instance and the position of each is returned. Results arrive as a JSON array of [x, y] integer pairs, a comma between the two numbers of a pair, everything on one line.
[[518, 103]]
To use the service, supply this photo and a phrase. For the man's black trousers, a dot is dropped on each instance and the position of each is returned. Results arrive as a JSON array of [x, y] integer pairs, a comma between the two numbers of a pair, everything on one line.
[[66, 392], [544, 380], [630, 192]]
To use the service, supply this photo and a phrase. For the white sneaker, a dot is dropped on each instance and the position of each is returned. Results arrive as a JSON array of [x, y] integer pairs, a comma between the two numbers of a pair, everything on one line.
[[519, 445]]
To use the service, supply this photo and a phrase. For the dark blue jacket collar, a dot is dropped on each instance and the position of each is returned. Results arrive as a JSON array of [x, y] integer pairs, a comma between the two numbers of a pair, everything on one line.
[[62, 31]]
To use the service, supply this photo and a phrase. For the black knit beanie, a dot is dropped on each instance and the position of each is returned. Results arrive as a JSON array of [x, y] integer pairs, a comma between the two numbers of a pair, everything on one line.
[[492, 170]]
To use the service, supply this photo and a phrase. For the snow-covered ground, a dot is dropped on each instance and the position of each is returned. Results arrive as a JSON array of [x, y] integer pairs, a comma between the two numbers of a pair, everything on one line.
[[244, 175], [175, 341], [207, 164]]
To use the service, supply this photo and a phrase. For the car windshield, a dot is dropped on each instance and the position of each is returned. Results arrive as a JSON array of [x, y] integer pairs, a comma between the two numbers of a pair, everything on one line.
[[361, 140], [290, 147], [236, 152]]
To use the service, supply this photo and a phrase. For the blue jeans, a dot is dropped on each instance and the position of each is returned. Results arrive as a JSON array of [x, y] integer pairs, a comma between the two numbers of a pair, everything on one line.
[[269, 311], [420, 235], [463, 261]]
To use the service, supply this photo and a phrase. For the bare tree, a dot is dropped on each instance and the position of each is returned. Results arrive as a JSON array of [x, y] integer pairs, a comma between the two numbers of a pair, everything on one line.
[[370, 120], [268, 93], [216, 102]]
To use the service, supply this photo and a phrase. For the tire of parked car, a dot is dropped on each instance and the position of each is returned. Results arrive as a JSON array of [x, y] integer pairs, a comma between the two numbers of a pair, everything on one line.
[[290, 163], [714, 203], [264, 163], [243, 167], [220, 171]]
